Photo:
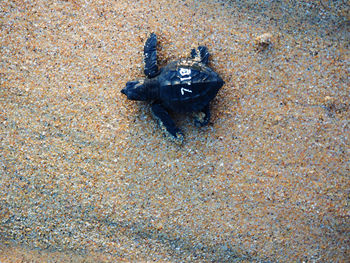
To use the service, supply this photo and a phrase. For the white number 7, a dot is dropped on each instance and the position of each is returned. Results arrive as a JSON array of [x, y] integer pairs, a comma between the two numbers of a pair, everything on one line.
[[183, 91]]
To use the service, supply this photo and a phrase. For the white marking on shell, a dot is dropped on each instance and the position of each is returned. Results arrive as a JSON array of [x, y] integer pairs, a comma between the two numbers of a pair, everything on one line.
[[185, 71], [183, 91]]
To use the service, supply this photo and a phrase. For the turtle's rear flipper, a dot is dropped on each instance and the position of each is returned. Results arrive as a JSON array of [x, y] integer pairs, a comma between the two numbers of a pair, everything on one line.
[[200, 54], [150, 56], [166, 123]]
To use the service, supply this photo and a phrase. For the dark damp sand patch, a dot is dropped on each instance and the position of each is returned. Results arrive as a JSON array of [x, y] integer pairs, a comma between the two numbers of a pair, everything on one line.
[[87, 176]]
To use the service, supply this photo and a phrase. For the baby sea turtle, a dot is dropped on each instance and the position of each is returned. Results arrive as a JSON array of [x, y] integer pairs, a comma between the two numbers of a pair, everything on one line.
[[187, 85]]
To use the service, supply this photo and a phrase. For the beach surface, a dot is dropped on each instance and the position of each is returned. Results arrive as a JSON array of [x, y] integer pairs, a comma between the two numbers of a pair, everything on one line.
[[87, 176]]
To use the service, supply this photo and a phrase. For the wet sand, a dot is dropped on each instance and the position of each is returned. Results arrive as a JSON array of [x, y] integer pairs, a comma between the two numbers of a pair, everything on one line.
[[88, 176]]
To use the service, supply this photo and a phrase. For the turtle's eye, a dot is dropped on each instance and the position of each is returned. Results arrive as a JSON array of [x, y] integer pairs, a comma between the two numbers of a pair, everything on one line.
[[132, 84]]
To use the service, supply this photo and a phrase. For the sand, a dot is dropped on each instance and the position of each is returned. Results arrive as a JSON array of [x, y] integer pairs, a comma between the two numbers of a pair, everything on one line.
[[87, 176]]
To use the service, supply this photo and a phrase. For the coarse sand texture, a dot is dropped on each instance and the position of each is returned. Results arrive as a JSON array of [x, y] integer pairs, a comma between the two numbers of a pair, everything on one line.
[[86, 175]]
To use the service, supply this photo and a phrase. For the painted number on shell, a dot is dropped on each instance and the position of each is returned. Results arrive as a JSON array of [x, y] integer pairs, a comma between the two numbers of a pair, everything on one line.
[[185, 73], [183, 91]]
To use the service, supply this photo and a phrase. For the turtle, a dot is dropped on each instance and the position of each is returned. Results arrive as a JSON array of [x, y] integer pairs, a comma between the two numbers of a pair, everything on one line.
[[187, 85]]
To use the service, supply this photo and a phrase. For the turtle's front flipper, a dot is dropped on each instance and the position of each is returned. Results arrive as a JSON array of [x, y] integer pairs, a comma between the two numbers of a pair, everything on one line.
[[200, 54], [166, 123], [150, 56], [202, 118]]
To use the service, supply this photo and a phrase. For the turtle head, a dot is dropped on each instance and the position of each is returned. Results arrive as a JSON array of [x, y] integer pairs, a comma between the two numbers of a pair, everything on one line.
[[135, 90], [140, 90]]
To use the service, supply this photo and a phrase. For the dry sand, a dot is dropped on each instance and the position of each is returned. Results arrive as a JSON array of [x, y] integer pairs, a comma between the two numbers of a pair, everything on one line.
[[86, 176]]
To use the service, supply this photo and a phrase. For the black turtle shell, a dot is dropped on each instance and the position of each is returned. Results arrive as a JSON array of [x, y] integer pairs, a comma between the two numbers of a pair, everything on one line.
[[188, 85]]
